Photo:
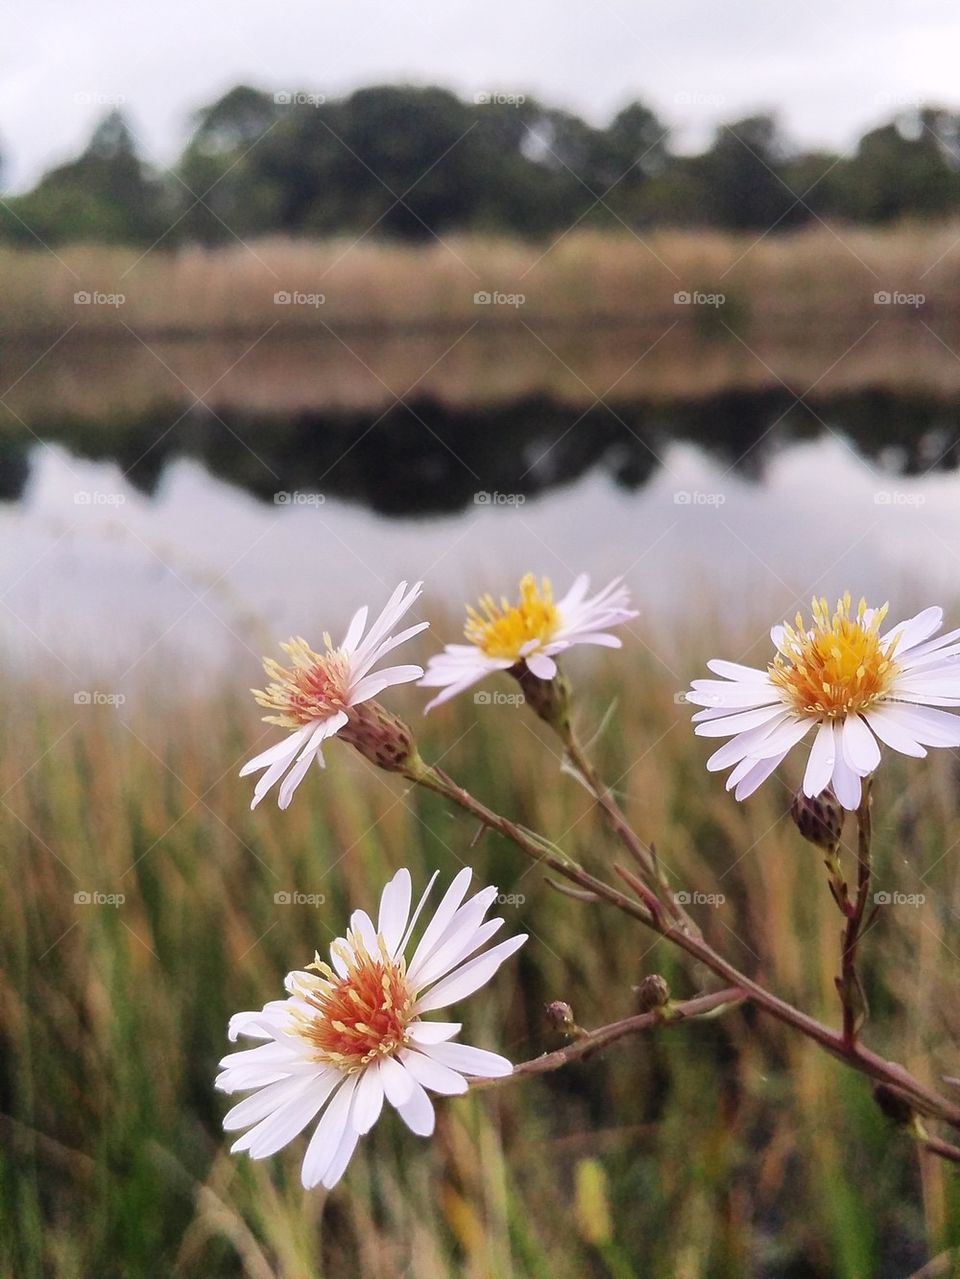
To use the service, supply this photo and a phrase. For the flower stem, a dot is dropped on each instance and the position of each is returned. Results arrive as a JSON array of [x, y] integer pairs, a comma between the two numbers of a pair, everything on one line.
[[839, 1045], [592, 1041], [849, 985]]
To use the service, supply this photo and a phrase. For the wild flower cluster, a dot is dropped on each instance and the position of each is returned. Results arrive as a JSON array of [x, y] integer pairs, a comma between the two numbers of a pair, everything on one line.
[[354, 1030]]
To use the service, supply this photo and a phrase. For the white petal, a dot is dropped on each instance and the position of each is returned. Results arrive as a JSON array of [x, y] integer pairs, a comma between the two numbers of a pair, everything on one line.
[[287, 1121], [757, 775], [417, 1111], [433, 1074], [344, 1153], [355, 630], [915, 630], [285, 749], [860, 748], [372, 685], [476, 1062], [368, 1101], [449, 904], [819, 770], [929, 726], [325, 1142], [470, 977], [540, 665], [293, 780], [454, 951], [746, 745], [433, 1032], [846, 783], [883, 721], [734, 671], [741, 722], [397, 1083], [395, 909], [265, 1101]]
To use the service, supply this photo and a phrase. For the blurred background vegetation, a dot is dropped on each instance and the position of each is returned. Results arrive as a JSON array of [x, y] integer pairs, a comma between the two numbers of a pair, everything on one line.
[[723, 1148], [258, 163]]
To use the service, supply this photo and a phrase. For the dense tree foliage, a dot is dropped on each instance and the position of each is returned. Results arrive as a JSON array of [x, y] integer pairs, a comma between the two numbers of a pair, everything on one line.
[[408, 162]]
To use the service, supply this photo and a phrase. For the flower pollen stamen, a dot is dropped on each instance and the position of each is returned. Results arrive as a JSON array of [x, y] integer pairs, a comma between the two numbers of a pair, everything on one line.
[[840, 666], [503, 630]]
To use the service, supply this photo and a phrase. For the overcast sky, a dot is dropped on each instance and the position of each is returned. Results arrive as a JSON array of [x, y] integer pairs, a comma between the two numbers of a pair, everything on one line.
[[828, 69]]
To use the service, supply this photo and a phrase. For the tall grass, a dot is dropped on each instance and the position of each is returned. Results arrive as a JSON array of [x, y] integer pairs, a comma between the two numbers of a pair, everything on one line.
[[725, 1148]]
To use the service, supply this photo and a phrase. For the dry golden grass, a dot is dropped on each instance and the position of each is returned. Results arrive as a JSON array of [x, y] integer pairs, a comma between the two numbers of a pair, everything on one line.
[[599, 318]]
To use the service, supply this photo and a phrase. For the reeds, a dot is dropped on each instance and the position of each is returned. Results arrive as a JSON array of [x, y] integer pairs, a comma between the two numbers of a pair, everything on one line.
[[725, 1147]]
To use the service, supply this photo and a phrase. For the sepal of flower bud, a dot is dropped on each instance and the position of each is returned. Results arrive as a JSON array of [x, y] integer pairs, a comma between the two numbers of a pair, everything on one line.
[[381, 738], [548, 698], [653, 992]]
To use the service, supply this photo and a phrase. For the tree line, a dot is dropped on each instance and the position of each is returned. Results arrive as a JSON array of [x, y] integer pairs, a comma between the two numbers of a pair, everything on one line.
[[407, 163]]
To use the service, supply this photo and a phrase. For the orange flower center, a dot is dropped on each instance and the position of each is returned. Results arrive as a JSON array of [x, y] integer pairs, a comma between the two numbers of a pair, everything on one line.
[[839, 666], [314, 686], [361, 1016]]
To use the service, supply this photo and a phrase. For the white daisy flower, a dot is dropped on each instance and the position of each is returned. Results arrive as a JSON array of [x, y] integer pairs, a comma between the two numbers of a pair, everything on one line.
[[532, 631], [314, 696], [858, 685], [351, 1033]]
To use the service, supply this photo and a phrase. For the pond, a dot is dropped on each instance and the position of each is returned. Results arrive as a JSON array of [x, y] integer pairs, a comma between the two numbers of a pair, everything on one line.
[[146, 524]]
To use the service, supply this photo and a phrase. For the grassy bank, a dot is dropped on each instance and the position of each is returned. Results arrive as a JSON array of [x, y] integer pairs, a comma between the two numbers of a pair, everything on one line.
[[581, 278], [714, 1149]]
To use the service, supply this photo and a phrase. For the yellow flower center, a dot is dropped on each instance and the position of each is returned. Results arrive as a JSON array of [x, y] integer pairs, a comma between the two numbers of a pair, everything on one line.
[[503, 630], [839, 666], [314, 686], [362, 1016]]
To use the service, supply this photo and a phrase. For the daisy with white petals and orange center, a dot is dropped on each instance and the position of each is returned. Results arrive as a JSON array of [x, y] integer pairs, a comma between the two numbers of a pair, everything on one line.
[[351, 1034], [857, 683], [313, 697]]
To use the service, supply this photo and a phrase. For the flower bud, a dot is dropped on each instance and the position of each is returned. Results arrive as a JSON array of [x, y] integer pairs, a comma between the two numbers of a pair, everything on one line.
[[653, 992], [560, 1016], [819, 820], [381, 738]]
